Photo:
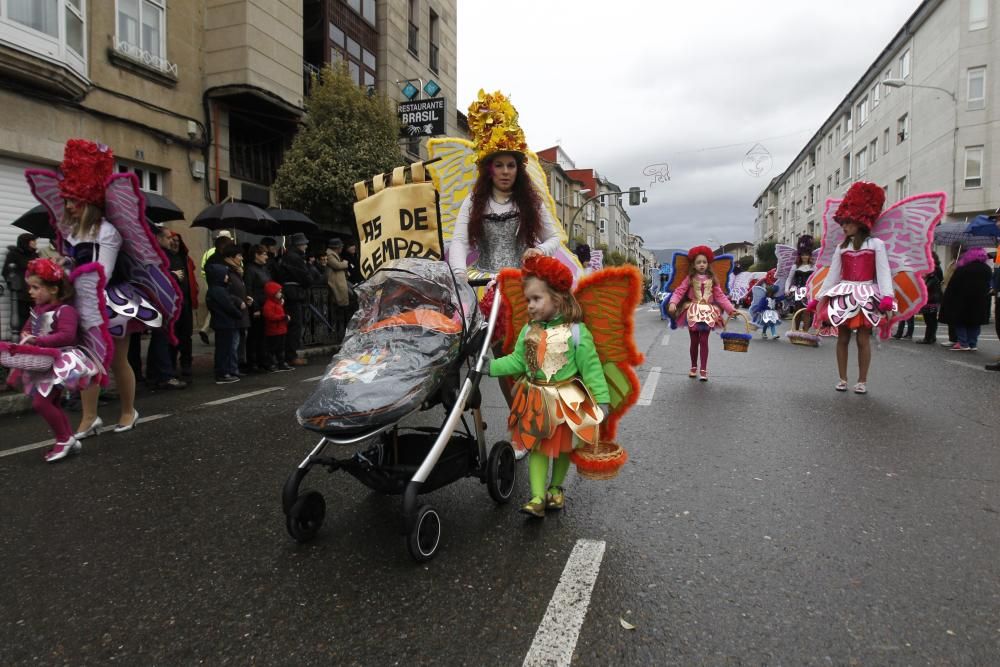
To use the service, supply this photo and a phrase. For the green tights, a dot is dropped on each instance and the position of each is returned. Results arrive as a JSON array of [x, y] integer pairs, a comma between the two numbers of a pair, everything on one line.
[[538, 471]]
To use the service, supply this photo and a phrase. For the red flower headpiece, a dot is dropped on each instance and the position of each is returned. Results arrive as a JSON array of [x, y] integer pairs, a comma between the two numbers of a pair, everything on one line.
[[85, 168], [701, 250], [771, 277], [46, 269], [862, 204], [556, 274]]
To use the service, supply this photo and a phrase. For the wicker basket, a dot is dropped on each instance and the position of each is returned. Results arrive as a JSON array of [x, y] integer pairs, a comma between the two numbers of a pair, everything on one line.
[[600, 461], [25, 361], [736, 342], [800, 336]]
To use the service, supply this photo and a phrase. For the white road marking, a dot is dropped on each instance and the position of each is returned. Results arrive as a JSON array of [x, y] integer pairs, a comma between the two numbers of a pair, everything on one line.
[[966, 364], [649, 388], [665, 340], [240, 397], [318, 377], [51, 441], [556, 637]]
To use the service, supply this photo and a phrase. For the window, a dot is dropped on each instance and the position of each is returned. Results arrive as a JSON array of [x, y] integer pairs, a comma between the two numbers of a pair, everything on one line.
[[904, 64], [836, 178], [829, 143], [434, 31], [366, 8], [861, 109], [861, 160], [838, 133], [876, 91], [411, 35], [604, 226], [973, 166], [54, 29], [887, 75], [255, 149], [979, 14], [976, 88], [902, 128], [361, 63], [847, 166], [885, 141], [141, 34], [902, 188], [150, 180], [829, 182], [873, 150]]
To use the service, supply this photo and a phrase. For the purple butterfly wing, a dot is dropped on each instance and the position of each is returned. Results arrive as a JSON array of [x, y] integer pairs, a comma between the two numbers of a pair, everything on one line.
[[145, 263], [786, 256], [44, 185]]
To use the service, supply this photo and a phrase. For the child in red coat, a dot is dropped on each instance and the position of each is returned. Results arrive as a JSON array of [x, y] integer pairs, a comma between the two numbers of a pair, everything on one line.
[[275, 326]]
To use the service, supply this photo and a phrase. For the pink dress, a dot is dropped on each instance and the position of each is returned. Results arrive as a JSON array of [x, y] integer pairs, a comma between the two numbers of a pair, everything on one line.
[[705, 302], [856, 283]]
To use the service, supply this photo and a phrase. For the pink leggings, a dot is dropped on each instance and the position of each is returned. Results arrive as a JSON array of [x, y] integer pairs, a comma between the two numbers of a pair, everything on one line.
[[48, 408], [699, 341]]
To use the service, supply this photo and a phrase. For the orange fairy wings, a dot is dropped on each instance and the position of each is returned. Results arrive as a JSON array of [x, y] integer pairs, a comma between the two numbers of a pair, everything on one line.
[[721, 268], [609, 298]]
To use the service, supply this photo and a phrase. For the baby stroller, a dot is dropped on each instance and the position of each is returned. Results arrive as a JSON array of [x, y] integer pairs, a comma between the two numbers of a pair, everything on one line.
[[415, 332]]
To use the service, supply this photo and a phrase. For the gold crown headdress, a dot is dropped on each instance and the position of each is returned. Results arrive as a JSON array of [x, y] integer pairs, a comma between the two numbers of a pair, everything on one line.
[[494, 126]]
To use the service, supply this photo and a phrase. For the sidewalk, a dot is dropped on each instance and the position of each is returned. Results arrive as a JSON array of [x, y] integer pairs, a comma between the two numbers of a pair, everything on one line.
[[13, 402]]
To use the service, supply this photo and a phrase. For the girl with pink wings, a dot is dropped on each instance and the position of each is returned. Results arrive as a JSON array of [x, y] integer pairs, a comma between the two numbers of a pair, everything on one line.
[[870, 268]]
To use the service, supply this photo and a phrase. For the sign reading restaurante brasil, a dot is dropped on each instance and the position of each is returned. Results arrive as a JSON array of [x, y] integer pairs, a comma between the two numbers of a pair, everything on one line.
[[422, 118]]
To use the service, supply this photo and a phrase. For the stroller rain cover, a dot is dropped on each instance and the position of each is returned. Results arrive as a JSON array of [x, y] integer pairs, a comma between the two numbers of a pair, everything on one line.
[[400, 344]]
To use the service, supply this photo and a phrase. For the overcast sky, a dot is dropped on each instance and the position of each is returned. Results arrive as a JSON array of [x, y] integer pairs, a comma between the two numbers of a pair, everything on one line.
[[627, 84]]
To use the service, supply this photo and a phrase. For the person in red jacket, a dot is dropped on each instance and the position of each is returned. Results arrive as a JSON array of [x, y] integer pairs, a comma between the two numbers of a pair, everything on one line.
[[275, 326]]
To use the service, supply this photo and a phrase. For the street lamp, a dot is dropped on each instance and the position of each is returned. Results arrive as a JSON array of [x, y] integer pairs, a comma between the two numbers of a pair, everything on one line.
[[899, 83]]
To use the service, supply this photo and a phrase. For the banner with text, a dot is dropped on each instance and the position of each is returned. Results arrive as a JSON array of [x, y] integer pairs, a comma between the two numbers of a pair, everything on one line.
[[402, 220]]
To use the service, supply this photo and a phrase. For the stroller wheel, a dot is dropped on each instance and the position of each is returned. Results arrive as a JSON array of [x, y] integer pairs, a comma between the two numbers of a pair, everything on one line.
[[424, 538], [501, 472], [306, 515]]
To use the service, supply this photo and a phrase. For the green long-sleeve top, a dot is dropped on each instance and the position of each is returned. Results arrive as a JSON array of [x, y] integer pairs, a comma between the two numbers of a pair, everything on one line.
[[581, 360]]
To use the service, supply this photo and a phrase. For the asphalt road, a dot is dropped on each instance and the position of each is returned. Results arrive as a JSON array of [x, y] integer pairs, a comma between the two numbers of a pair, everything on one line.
[[762, 519]]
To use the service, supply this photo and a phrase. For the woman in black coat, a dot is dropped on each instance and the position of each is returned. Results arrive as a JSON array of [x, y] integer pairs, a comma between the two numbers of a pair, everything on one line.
[[966, 299], [15, 265]]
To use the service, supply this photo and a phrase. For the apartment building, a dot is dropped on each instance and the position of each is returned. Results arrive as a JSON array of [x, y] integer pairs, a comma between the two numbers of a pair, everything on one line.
[[568, 193], [922, 118], [197, 97], [405, 50]]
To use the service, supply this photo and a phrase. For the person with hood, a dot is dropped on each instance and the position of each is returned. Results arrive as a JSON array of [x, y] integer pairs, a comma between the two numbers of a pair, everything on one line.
[[966, 299], [227, 315], [930, 309], [14, 267]]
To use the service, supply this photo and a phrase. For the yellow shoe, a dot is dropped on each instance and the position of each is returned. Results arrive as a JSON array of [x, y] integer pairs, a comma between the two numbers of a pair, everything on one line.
[[555, 499], [534, 507]]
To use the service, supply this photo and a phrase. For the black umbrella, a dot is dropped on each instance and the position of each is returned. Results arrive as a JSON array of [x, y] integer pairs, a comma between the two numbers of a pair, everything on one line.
[[291, 221], [36, 221], [161, 209], [237, 215]]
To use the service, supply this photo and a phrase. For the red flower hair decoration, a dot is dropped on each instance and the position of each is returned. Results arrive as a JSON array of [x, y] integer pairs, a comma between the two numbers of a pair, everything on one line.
[[862, 204], [46, 269], [701, 250], [85, 168], [555, 274]]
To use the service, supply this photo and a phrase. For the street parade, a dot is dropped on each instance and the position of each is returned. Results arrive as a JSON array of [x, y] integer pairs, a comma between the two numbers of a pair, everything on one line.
[[337, 367]]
